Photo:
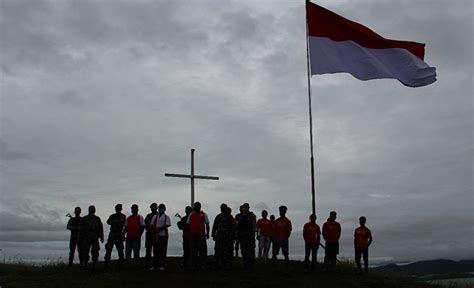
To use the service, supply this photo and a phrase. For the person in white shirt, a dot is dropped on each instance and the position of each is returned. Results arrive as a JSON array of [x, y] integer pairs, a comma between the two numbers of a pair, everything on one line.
[[160, 222]]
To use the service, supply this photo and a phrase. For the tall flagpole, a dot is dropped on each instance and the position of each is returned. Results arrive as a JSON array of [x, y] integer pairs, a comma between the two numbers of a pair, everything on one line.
[[313, 196]]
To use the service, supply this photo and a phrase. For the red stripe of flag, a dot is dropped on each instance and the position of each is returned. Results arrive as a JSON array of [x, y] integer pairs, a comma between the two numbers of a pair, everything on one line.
[[324, 23]]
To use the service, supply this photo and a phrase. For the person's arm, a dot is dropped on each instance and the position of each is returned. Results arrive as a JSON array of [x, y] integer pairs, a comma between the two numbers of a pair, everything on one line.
[[101, 230], [289, 228], [325, 231], [305, 232], [318, 235], [214, 228], [370, 238], [355, 233], [338, 231], [69, 225], [206, 220], [125, 227], [142, 224]]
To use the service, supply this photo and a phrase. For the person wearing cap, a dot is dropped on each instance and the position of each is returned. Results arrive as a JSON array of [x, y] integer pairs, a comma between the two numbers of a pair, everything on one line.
[[74, 240], [246, 227], [282, 234], [91, 230], [134, 227], [199, 230], [161, 222], [149, 233], [116, 222]]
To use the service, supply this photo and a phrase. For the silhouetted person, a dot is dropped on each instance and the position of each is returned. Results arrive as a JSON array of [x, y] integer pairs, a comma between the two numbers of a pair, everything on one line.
[[264, 233], [272, 235], [134, 227], [116, 222], [223, 233], [91, 230], [237, 243], [199, 230], [246, 226], [331, 233], [149, 233], [75, 240], [312, 237], [186, 236], [161, 222], [362, 241], [282, 234]]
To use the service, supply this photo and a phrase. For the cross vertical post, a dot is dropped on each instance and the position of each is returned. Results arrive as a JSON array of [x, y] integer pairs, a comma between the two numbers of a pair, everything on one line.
[[192, 176]]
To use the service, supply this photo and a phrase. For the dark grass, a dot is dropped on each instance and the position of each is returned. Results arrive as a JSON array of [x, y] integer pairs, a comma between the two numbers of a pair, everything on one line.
[[59, 275]]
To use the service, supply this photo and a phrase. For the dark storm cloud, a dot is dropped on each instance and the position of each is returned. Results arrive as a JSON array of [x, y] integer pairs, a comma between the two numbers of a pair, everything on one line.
[[100, 98]]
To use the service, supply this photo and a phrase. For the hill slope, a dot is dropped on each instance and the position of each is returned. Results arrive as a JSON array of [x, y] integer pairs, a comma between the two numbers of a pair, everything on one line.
[[58, 276]]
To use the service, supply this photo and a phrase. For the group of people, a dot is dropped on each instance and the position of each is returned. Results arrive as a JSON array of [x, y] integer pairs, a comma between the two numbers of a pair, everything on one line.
[[228, 232]]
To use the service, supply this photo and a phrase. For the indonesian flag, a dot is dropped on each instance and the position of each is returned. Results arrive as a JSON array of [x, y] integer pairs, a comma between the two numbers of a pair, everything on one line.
[[337, 44]]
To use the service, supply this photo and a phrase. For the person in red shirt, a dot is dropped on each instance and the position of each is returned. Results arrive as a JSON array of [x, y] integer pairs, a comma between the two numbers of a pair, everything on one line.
[[199, 230], [264, 232], [362, 241], [282, 234], [311, 235], [134, 227], [331, 233]]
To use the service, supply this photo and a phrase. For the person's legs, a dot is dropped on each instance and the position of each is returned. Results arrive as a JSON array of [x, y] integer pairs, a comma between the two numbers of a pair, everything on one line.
[[365, 255], [108, 249], [95, 251], [128, 249], [186, 250], [119, 246], [358, 253], [307, 249], [86, 247], [284, 250], [72, 249], [194, 250], [202, 250], [260, 247], [148, 248], [314, 256], [136, 248], [266, 247]]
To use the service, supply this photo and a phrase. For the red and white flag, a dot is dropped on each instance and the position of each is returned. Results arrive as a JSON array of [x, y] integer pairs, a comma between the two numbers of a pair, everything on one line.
[[338, 45]]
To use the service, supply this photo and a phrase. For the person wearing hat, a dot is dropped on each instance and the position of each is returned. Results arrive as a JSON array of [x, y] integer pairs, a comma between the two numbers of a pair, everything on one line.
[[116, 222], [74, 241], [149, 233], [246, 226]]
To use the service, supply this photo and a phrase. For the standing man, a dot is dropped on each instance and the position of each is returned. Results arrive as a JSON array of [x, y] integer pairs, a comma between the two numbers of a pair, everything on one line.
[[116, 222], [73, 226], [149, 233], [199, 231], [312, 237], [182, 225], [331, 233], [134, 227], [246, 228], [282, 234], [362, 241], [264, 232], [160, 223], [91, 230], [223, 232]]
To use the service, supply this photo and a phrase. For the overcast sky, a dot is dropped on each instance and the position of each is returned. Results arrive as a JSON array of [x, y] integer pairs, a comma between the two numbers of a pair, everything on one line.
[[100, 98]]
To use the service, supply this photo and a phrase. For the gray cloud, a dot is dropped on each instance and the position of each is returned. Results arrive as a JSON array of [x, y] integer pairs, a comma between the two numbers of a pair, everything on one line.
[[100, 99]]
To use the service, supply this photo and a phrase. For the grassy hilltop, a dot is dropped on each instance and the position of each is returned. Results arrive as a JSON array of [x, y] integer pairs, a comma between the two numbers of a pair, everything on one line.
[[56, 276]]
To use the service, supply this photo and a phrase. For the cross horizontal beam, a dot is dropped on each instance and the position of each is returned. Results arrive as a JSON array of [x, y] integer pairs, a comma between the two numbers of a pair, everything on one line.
[[189, 176]]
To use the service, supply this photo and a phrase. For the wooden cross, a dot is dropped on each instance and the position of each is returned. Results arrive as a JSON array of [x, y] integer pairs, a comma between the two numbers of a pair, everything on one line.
[[192, 177]]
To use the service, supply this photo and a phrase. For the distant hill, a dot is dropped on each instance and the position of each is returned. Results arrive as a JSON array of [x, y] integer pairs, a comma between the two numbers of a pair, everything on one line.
[[423, 268]]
